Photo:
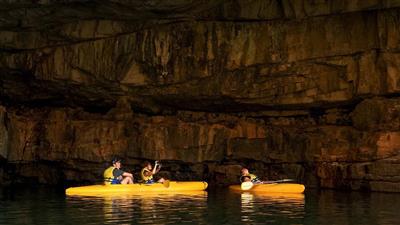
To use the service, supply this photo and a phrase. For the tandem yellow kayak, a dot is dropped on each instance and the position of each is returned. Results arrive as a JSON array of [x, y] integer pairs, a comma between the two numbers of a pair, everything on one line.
[[172, 186], [272, 188]]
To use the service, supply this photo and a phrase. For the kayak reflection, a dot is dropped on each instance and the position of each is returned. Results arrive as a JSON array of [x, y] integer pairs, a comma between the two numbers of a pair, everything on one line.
[[150, 208], [279, 205], [282, 198]]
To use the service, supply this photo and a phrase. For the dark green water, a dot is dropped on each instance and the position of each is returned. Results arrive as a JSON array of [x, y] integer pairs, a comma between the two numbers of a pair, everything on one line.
[[47, 206]]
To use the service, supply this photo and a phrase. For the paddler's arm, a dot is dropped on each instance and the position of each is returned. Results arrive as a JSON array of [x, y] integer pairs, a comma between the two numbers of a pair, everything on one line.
[[148, 173], [126, 174], [159, 167], [155, 170]]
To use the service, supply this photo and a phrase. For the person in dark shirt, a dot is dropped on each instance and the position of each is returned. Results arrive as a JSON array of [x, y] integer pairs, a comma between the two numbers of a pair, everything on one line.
[[114, 174]]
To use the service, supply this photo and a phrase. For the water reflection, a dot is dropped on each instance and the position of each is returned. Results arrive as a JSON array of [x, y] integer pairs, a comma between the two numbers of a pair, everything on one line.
[[353, 208], [47, 206], [259, 208], [149, 208]]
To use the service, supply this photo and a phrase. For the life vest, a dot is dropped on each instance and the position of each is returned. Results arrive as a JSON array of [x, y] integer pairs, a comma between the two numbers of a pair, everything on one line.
[[144, 177], [108, 175], [253, 178]]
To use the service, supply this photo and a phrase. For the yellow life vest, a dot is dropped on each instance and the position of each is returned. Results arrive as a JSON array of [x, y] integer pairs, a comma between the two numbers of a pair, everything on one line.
[[108, 175], [144, 177], [253, 177]]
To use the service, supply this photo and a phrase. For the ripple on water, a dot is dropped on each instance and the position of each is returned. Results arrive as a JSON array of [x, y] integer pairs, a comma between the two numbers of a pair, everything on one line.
[[216, 207], [264, 208], [148, 209]]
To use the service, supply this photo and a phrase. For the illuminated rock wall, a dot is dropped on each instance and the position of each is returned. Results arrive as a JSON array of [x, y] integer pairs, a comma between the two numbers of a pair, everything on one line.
[[292, 89]]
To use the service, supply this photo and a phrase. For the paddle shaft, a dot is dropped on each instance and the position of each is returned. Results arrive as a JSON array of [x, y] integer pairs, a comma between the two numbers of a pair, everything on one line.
[[249, 185], [276, 181]]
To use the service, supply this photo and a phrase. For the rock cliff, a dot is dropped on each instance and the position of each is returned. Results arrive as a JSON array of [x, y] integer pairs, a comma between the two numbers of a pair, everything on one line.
[[292, 89]]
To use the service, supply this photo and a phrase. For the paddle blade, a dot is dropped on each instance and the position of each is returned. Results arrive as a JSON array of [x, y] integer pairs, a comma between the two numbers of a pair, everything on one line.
[[166, 183], [246, 185]]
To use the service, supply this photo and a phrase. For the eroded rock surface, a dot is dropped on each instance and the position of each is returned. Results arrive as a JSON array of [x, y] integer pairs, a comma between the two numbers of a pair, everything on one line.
[[298, 89]]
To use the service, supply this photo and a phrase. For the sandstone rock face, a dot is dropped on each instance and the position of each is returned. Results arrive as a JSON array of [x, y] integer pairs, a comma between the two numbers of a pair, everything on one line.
[[291, 89]]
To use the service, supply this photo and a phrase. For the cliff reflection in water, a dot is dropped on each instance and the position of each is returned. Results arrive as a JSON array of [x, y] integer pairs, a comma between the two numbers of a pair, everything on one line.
[[271, 207], [151, 208], [194, 207], [218, 206]]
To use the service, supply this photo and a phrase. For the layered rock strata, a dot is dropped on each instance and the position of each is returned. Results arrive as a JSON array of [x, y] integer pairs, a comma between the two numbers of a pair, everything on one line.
[[298, 89]]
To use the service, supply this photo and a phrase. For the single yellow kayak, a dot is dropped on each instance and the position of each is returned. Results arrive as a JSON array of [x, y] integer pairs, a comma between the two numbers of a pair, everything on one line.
[[148, 195], [172, 186], [272, 188]]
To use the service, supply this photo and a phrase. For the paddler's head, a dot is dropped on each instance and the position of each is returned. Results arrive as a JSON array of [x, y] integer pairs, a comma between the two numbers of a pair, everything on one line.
[[147, 165], [116, 162], [245, 171]]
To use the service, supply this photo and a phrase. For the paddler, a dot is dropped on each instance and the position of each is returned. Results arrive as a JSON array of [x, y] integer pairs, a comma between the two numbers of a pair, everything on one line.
[[114, 174], [148, 171], [246, 176]]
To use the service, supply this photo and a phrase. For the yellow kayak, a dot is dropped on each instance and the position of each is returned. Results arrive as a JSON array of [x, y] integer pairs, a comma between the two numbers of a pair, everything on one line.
[[143, 194], [172, 186], [272, 188]]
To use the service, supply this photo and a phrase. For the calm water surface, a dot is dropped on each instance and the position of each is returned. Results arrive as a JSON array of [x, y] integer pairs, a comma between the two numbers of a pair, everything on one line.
[[47, 206]]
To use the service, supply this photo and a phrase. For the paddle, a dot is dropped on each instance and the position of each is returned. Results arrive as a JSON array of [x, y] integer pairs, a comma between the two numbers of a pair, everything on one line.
[[277, 181], [248, 184]]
